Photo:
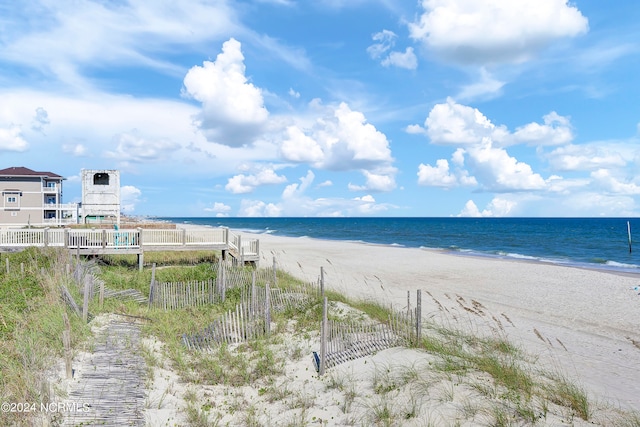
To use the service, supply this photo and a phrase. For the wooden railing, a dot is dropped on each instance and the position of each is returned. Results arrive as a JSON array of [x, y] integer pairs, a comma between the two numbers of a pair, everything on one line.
[[133, 239], [247, 248]]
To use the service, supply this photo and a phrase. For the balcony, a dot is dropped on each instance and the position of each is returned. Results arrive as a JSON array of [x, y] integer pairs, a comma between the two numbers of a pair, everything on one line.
[[51, 188], [61, 207]]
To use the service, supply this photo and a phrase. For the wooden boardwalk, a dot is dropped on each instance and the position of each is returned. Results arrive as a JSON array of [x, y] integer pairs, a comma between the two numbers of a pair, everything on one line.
[[133, 241], [108, 388]]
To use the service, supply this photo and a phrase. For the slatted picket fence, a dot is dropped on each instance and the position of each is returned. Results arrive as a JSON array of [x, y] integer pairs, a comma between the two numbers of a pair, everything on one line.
[[345, 340], [177, 295], [352, 340], [251, 318]]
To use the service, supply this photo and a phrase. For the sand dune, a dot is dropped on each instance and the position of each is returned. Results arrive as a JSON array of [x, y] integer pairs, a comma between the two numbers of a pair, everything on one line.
[[583, 323]]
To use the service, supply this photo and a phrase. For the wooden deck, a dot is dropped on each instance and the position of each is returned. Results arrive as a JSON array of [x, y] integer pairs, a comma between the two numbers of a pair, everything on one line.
[[133, 241]]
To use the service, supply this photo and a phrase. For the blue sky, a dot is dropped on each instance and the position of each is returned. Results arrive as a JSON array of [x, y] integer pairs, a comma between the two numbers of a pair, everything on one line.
[[330, 107]]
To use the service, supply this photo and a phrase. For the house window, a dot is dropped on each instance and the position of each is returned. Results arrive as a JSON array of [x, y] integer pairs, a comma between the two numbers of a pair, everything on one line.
[[12, 199], [51, 200], [101, 179]]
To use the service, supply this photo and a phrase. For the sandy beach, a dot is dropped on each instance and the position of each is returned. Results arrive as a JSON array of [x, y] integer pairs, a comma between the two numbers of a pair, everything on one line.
[[581, 322]]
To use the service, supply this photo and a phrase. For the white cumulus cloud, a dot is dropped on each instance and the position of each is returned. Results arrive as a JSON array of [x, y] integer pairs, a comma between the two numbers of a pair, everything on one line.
[[587, 157], [375, 182], [495, 31], [498, 207], [294, 190], [456, 124], [11, 139], [341, 139], [258, 208], [556, 130], [298, 147], [381, 50], [220, 209], [129, 198], [406, 59], [496, 170], [452, 123], [77, 150], [606, 181], [233, 111], [242, 183], [132, 146]]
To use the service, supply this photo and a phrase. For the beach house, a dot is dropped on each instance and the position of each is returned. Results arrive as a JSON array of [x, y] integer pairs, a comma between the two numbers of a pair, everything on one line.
[[31, 198]]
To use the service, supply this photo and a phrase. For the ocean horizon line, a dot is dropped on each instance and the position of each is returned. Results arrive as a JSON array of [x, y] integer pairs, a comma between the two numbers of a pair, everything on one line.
[[596, 243]]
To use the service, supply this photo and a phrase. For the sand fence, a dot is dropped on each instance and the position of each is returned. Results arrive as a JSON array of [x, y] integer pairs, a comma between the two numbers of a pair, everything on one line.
[[341, 340]]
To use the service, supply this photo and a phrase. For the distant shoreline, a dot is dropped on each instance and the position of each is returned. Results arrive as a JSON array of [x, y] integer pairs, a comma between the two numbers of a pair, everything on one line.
[[621, 271]]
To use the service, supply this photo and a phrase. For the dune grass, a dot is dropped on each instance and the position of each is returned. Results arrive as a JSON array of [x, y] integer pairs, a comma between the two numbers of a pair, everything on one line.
[[456, 364], [31, 325]]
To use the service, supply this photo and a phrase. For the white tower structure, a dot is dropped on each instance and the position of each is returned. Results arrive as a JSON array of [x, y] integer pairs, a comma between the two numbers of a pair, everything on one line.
[[100, 195]]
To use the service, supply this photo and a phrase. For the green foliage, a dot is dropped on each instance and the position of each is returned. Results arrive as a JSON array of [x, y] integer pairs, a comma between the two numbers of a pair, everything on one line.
[[568, 394], [31, 324], [162, 258]]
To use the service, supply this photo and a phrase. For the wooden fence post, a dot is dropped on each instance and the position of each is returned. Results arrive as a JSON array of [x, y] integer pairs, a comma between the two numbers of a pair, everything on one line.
[[85, 303], [323, 338], [267, 309], [322, 281], [101, 293], [66, 341], [253, 295], [418, 316], [152, 285], [275, 279], [7, 262]]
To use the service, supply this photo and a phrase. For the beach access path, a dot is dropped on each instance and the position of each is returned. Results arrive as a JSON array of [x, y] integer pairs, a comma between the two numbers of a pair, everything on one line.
[[581, 323]]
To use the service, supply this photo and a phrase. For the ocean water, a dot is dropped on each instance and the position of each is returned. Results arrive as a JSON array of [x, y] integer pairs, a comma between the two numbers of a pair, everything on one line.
[[600, 243]]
